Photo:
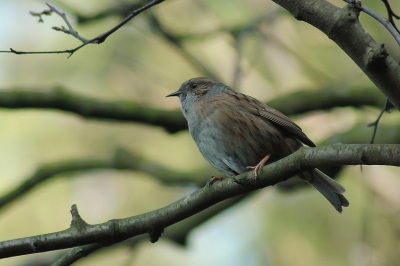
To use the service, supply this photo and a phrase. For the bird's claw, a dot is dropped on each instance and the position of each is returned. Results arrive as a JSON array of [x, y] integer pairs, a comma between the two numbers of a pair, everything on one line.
[[259, 166], [213, 179]]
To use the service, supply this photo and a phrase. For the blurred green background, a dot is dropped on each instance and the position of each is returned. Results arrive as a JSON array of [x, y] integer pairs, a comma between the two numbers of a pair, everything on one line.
[[277, 56]]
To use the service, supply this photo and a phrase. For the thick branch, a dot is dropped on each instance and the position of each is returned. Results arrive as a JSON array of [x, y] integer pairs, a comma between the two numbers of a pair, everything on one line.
[[176, 233], [344, 28], [62, 99], [173, 121], [153, 223]]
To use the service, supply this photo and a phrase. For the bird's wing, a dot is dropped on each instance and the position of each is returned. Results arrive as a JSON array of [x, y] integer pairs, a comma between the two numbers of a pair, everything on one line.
[[258, 108], [280, 119]]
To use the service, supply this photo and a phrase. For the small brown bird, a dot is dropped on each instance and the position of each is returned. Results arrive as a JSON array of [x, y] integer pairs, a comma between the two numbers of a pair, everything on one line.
[[235, 132]]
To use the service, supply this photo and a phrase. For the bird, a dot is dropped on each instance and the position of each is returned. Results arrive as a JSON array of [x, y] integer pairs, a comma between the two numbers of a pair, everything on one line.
[[236, 133]]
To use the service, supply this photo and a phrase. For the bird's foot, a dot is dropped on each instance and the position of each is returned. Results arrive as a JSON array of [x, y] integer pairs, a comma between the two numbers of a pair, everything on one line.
[[213, 179], [259, 166]]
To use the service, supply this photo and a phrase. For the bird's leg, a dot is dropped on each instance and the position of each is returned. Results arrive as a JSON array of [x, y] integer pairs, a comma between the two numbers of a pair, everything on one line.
[[259, 165]]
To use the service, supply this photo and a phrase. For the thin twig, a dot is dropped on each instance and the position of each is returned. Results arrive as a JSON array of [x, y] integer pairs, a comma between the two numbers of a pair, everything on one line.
[[70, 52], [386, 108], [392, 30], [97, 40], [77, 253], [70, 30], [375, 125], [40, 14], [391, 14]]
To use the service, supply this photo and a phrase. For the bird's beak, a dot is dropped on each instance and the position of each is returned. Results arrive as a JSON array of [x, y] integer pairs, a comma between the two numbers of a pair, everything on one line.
[[176, 93]]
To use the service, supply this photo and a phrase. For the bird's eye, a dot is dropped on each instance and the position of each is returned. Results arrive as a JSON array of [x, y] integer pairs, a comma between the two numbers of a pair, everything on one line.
[[193, 85]]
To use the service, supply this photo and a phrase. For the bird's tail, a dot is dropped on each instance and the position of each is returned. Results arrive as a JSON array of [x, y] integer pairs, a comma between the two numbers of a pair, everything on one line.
[[329, 188]]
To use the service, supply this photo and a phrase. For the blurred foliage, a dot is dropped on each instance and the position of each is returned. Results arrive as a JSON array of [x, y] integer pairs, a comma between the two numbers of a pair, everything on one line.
[[253, 45]]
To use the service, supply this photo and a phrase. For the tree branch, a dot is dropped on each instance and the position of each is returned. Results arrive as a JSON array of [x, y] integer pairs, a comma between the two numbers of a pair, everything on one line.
[[176, 233], [61, 99], [154, 222], [173, 121], [76, 253], [343, 27]]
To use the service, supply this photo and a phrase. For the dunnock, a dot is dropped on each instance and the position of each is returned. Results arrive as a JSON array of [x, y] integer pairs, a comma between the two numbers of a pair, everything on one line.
[[235, 132]]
